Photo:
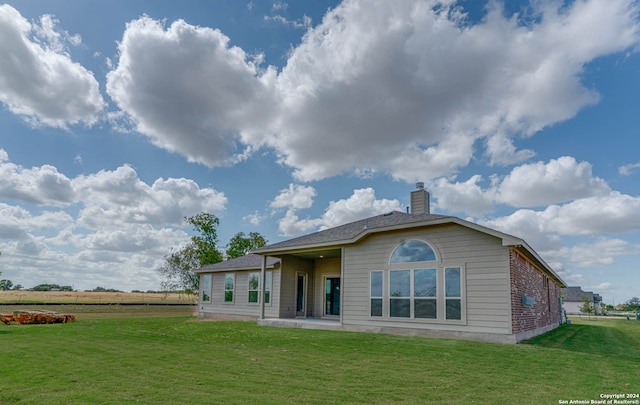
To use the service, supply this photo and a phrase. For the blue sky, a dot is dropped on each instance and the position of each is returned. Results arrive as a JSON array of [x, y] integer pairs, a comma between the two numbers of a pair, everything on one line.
[[120, 118]]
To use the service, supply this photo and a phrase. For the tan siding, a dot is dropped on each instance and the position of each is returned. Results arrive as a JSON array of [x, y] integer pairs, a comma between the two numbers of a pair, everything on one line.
[[323, 267], [290, 266], [240, 306], [486, 264]]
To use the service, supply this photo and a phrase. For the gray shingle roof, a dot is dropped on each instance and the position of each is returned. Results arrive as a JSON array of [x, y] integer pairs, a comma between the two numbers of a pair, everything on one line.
[[352, 230], [247, 262]]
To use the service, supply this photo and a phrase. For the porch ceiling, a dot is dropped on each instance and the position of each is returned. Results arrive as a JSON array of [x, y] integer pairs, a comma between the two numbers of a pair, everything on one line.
[[327, 253]]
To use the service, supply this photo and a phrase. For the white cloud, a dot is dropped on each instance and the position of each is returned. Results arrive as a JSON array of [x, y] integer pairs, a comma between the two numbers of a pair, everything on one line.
[[529, 185], [599, 253], [296, 196], [40, 81], [361, 204], [39, 185], [104, 218], [115, 198], [627, 170], [559, 180], [213, 109], [467, 196], [406, 88], [304, 22], [385, 85]]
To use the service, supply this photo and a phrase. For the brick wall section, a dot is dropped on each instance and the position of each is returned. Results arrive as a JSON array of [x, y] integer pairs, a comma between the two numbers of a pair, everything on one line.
[[527, 279]]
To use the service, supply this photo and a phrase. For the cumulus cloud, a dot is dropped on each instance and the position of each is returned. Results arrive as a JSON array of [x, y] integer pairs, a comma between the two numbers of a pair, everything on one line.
[[40, 81], [212, 110], [386, 85], [296, 196], [529, 185], [106, 217], [547, 230], [361, 204], [408, 88], [42, 185], [627, 170], [559, 180]]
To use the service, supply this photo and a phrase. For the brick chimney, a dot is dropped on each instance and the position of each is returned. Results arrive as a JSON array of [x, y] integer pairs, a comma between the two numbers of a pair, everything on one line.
[[420, 200]]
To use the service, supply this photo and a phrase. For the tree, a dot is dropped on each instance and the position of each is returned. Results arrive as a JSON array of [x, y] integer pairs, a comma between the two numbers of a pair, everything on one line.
[[632, 305], [177, 270], [587, 306], [240, 245], [5, 285]]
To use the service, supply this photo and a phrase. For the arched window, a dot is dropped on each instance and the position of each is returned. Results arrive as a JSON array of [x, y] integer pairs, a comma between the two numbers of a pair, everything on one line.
[[412, 251]]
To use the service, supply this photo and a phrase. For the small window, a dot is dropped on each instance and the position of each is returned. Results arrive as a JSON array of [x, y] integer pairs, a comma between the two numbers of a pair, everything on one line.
[[267, 288], [205, 290], [453, 293], [412, 251], [229, 284], [254, 287], [376, 293]]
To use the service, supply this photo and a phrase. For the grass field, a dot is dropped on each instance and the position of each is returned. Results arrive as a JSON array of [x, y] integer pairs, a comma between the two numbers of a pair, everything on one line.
[[128, 358], [76, 297]]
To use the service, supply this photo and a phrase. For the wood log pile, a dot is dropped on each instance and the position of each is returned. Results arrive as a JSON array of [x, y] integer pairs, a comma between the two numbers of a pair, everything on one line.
[[36, 316]]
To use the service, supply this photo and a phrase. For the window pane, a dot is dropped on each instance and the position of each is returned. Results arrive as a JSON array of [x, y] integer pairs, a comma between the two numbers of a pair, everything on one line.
[[267, 288], [425, 308], [400, 283], [454, 309], [254, 281], [412, 251], [253, 296], [228, 296], [376, 307], [206, 288], [400, 308], [376, 284], [228, 282], [424, 283], [452, 281]]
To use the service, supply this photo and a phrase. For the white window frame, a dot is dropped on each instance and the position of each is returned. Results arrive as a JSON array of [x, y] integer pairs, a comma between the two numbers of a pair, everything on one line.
[[440, 298], [256, 290], [380, 297], [460, 297], [232, 289], [267, 287], [204, 289]]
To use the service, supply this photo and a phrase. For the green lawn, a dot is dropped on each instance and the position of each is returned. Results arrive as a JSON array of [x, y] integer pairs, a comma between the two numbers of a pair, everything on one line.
[[181, 360]]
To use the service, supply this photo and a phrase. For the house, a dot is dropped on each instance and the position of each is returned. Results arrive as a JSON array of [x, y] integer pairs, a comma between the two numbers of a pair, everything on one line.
[[413, 273], [574, 299]]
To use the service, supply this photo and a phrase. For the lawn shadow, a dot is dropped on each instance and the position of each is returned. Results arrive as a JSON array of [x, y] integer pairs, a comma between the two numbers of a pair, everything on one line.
[[592, 338]]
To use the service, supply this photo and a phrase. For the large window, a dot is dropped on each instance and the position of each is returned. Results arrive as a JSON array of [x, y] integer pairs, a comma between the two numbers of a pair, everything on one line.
[[254, 287], [376, 293], [416, 287], [205, 290], [413, 293], [229, 285]]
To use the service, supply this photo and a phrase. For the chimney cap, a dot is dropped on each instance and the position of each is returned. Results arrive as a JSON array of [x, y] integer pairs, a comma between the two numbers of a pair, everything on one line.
[[420, 185]]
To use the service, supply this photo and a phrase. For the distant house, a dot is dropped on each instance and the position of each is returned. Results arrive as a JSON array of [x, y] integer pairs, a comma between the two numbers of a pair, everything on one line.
[[574, 299], [404, 273]]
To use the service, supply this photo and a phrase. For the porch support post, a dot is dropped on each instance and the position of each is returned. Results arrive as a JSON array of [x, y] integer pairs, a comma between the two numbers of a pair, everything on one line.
[[263, 276]]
